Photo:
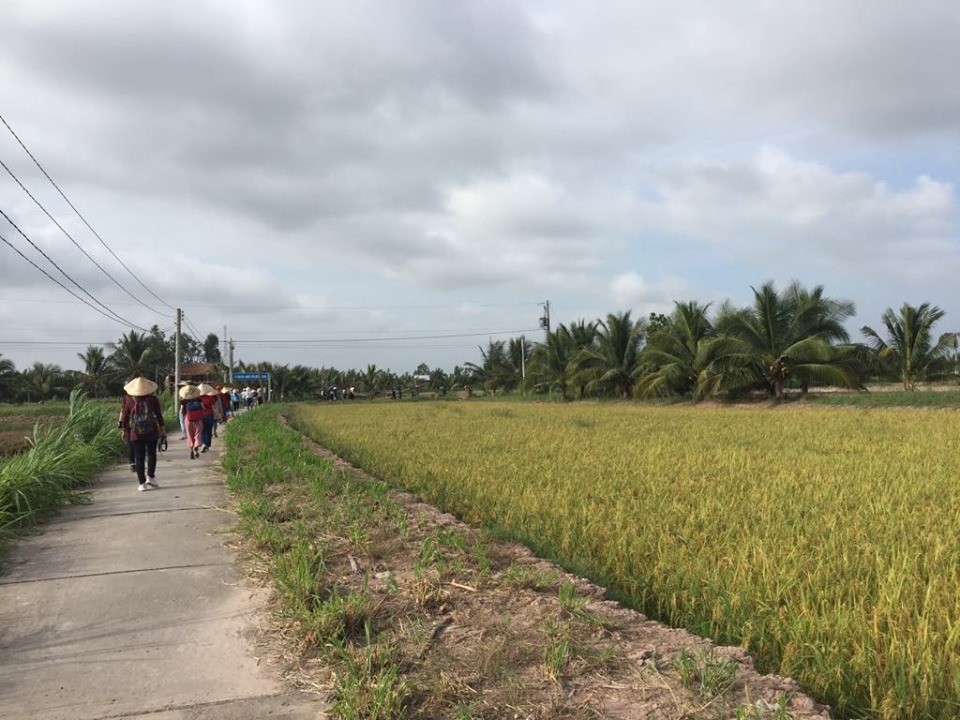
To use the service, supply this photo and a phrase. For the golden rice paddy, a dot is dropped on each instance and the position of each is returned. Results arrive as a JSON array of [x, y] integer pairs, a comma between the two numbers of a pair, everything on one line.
[[826, 541]]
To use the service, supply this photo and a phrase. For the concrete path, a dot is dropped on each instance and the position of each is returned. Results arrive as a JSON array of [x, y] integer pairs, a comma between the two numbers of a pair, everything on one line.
[[133, 607]]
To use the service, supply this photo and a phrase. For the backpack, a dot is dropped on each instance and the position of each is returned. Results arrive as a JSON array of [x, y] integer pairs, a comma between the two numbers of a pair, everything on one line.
[[193, 406], [143, 421]]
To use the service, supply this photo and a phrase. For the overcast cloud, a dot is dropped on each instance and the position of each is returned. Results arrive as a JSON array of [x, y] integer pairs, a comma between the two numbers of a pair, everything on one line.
[[355, 171]]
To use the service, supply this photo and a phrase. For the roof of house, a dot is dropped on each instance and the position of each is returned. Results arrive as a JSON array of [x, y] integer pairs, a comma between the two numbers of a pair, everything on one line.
[[199, 369]]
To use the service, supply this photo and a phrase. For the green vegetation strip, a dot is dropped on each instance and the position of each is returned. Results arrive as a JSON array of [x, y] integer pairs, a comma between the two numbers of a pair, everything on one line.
[[58, 466], [284, 497], [824, 541]]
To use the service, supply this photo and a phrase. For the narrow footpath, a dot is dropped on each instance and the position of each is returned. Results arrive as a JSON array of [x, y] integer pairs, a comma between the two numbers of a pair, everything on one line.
[[134, 607]]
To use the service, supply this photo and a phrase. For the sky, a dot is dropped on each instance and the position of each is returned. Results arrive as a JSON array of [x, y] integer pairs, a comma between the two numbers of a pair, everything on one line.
[[346, 183]]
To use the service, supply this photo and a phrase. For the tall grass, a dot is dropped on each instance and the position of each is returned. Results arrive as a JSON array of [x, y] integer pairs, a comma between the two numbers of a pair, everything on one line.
[[58, 465], [826, 542]]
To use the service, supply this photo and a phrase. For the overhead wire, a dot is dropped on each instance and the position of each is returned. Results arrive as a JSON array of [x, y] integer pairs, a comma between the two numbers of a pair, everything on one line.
[[320, 341], [80, 215], [79, 247], [106, 312]]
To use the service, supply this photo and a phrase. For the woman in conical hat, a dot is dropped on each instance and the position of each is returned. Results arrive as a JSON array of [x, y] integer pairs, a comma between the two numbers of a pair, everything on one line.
[[140, 387], [191, 409], [142, 418], [208, 396]]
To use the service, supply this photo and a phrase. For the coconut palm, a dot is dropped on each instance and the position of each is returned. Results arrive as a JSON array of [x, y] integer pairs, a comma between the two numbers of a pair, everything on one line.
[[8, 379], [42, 382], [678, 353], [783, 335], [518, 354], [612, 362], [908, 348], [96, 370], [131, 354], [494, 371], [550, 362], [371, 380]]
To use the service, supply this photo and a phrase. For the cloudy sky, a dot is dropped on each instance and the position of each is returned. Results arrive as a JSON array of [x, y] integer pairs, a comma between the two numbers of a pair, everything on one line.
[[396, 182]]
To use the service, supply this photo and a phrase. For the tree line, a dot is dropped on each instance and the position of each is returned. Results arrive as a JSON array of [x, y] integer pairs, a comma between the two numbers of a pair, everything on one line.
[[790, 339]]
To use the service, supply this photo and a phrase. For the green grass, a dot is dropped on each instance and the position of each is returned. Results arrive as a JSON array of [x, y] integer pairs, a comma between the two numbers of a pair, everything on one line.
[[57, 467], [892, 398]]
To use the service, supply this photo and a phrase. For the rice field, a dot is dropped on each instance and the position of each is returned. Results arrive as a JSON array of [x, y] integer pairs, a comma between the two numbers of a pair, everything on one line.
[[825, 540]]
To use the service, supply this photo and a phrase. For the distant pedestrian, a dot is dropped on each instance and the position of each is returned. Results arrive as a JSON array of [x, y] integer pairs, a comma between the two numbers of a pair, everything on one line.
[[125, 435], [208, 398], [142, 418], [192, 411], [183, 422]]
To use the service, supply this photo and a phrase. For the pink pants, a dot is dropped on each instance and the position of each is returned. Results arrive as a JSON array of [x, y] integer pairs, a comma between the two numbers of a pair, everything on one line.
[[193, 433]]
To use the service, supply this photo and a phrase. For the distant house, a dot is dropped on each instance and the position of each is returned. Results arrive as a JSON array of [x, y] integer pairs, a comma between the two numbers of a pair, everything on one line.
[[194, 373]]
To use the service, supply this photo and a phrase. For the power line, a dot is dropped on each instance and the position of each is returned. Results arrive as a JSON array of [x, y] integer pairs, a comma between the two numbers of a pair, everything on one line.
[[63, 272], [73, 207], [79, 247], [320, 341], [17, 251], [191, 328]]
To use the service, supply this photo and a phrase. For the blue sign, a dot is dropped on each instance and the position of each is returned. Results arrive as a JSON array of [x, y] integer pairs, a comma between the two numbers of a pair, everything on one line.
[[251, 376]]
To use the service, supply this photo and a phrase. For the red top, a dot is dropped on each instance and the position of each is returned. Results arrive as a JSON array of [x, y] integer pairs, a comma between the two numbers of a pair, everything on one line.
[[208, 401], [129, 404], [192, 415]]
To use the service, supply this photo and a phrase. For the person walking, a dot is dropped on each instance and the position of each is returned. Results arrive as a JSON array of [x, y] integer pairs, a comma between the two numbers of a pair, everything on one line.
[[126, 437], [192, 410], [142, 417], [208, 398]]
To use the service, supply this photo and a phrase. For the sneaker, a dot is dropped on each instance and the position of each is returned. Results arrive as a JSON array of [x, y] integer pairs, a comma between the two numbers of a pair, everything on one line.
[[143, 486], [192, 453], [152, 482], [204, 448], [133, 467]]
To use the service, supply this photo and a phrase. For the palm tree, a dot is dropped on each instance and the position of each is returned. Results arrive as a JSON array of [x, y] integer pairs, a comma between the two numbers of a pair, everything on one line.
[[494, 371], [96, 370], [677, 354], [909, 348], [550, 362], [612, 363], [8, 378], [518, 354], [131, 354], [42, 381], [788, 334], [371, 380], [582, 335]]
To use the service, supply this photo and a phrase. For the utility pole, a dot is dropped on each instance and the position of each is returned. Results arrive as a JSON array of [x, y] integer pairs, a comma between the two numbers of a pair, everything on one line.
[[230, 347], [545, 320], [176, 362], [523, 365]]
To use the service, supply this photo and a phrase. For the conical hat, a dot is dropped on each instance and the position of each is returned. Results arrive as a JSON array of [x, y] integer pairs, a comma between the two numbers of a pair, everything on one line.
[[206, 389], [189, 392], [139, 387]]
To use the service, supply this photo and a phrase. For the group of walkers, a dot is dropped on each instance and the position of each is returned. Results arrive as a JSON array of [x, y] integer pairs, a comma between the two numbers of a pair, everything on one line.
[[201, 409]]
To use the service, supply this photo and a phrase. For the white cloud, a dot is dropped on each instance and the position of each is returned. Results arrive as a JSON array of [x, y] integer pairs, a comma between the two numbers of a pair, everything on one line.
[[775, 207], [631, 291], [371, 154]]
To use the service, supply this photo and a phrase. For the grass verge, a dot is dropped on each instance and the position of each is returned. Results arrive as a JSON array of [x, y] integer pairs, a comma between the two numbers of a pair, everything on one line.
[[57, 467]]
